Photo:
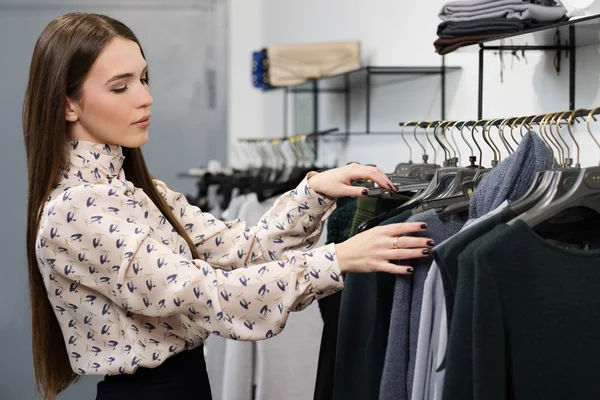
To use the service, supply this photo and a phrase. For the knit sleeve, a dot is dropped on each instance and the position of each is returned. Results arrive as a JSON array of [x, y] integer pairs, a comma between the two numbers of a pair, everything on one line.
[[96, 246], [294, 222]]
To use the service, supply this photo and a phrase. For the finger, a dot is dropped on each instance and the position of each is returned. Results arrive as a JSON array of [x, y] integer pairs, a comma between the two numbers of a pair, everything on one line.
[[404, 228], [407, 254], [409, 242], [379, 177], [354, 191], [395, 269]]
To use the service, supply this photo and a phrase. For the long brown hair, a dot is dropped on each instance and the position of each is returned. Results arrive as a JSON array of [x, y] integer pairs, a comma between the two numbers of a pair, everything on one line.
[[63, 56]]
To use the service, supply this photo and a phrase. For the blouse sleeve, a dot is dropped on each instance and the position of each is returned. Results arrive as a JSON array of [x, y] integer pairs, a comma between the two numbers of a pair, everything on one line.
[[142, 275], [294, 222]]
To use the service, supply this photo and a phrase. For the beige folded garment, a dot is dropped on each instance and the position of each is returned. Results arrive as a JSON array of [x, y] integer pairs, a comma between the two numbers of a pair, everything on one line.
[[292, 64]]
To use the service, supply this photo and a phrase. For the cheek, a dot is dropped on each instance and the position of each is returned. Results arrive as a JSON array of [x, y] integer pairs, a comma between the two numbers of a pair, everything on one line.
[[108, 109]]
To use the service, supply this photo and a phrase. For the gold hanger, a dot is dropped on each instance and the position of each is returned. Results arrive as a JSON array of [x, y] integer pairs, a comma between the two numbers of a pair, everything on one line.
[[462, 134], [459, 155], [497, 152], [569, 123], [552, 140], [589, 117], [421, 124], [566, 152], [512, 127], [437, 139], [475, 140], [559, 117], [450, 125], [429, 140], [405, 141], [503, 136]]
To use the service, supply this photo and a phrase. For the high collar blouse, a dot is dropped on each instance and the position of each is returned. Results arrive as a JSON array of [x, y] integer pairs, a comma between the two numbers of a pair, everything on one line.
[[124, 286]]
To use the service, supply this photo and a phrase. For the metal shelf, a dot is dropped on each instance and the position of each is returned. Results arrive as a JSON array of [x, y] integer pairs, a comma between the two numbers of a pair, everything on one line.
[[366, 77], [587, 31], [561, 37]]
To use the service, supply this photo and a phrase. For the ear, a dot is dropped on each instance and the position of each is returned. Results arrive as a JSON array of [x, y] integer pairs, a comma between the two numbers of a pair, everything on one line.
[[71, 114]]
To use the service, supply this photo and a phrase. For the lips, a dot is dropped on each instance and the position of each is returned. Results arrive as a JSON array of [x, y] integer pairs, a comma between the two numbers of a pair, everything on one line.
[[143, 119]]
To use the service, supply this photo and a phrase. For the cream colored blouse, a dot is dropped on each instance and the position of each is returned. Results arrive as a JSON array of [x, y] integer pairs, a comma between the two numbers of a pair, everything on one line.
[[125, 288]]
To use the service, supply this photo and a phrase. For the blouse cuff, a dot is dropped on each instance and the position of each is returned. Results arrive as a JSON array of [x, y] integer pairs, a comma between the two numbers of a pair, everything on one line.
[[320, 205], [324, 271]]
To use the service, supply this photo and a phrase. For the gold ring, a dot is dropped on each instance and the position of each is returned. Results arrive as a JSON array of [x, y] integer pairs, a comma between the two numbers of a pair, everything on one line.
[[395, 244]]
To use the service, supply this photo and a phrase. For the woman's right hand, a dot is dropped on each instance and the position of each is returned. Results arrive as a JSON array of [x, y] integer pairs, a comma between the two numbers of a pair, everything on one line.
[[372, 250]]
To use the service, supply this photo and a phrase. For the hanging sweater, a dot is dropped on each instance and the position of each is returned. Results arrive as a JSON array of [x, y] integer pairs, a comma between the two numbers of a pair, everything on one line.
[[528, 326], [510, 179], [398, 371], [123, 284]]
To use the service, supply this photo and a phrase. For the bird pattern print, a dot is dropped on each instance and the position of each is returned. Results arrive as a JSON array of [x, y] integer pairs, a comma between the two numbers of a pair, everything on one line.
[[123, 283]]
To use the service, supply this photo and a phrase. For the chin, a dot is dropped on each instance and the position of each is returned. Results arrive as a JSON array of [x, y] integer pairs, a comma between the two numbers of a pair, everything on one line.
[[136, 141]]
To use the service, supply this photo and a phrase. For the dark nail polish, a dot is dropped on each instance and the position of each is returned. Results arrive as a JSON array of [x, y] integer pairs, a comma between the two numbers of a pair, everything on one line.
[[431, 243], [365, 192], [424, 226], [426, 252], [410, 270], [396, 187], [390, 186]]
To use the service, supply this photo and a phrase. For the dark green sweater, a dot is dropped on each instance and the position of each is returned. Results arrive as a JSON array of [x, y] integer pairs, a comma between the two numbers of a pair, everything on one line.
[[526, 321]]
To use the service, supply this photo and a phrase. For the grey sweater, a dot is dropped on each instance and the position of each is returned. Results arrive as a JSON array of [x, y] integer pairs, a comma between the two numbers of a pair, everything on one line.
[[512, 177], [459, 11], [399, 366]]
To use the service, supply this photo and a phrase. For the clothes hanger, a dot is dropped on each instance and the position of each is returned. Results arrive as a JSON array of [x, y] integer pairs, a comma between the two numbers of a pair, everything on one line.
[[436, 182], [507, 145], [584, 192], [411, 173], [543, 182], [466, 181]]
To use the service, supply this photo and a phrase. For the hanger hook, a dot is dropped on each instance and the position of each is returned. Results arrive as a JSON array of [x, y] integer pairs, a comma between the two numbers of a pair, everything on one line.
[[420, 125], [556, 117], [486, 139], [503, 124], [589, 118], [569, 123], [405, 141], [475, 140], [437, 138], [459, 158], [512, 126], [489, 132], [552, 138], [462, 134], [450, 125], [429, 140]]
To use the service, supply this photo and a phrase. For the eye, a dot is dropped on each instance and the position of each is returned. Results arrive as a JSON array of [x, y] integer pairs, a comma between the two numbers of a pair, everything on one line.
[[145, 80], [120, 90]]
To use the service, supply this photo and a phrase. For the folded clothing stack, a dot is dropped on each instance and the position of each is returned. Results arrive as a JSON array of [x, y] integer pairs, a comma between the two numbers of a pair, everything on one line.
[[470, 21]]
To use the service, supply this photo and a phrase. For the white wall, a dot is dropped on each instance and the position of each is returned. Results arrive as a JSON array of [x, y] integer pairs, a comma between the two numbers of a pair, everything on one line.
[[394, 33]]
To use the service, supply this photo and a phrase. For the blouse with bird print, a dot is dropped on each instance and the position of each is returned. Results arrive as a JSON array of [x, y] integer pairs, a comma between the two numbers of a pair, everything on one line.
[[123, 283]]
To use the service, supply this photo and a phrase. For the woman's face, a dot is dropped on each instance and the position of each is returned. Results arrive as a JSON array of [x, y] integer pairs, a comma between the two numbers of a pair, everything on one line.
[[115, 104]]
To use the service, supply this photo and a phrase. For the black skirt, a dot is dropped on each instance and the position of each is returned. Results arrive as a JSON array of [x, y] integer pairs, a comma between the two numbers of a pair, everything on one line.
[[181, 377]]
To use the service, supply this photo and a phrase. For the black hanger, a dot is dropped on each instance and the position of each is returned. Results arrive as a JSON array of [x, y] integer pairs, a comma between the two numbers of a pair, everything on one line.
[[585, 192]]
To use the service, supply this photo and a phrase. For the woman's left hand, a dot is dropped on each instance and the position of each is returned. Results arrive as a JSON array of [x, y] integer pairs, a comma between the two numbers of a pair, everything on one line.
[[337, 182]]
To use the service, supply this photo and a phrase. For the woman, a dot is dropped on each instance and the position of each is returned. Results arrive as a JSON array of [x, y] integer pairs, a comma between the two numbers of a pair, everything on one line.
[[127, 279]]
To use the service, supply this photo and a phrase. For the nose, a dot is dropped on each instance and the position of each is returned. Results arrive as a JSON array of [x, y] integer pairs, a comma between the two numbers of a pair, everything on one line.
[[144, 98]]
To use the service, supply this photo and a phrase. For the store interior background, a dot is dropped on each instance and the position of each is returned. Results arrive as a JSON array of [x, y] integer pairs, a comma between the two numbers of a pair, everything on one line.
[[200, 59]]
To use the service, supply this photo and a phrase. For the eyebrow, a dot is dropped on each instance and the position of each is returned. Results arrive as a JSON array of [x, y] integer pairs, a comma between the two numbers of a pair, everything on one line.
[[125, 75]]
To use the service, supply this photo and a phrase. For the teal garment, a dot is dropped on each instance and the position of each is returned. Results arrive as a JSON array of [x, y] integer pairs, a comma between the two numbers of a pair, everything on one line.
[[363, 331], [526, 321], [446, 256]]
